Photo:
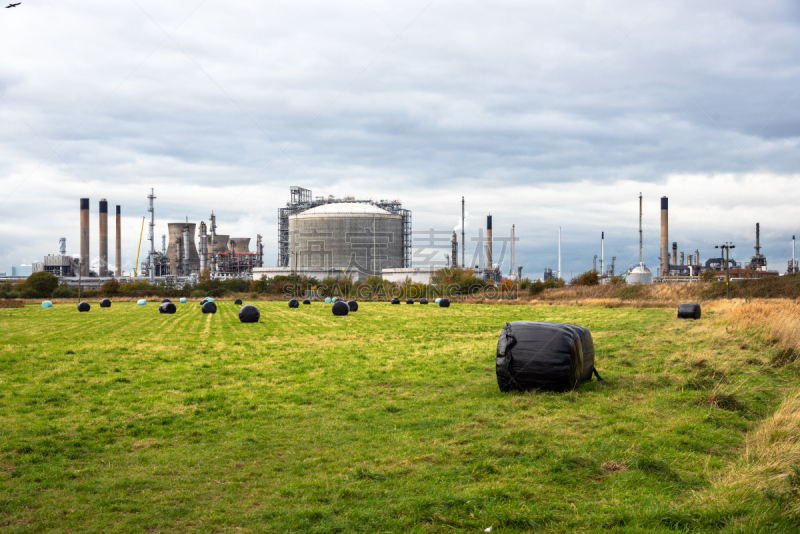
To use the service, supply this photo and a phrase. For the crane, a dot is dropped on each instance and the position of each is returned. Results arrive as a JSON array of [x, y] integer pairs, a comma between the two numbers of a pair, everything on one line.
[[137, 250]]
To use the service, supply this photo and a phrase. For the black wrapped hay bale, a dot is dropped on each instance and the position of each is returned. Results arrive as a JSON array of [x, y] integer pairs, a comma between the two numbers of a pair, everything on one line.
[[353, 305], [203, 302], [423, 301], [444, 303], [540, 355], [167, 307], [306, 301], [395, 300], [294, 304], [689, 311], [238, 301], [409, 301], [84, 307], [249, 314], [105, 303], [209, 307], [340, 308], [165, 300]]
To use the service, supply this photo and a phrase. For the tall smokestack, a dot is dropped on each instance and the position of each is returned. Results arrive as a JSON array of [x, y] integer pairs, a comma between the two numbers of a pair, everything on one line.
[[489, 242], [214, 243], [758, 239], [118, 248], [674, 253], [103, 237], [664, 237], [203, 249], [681, 257], [793, 262], [462, 233], [640, 230], [85, 237], [602, 251]]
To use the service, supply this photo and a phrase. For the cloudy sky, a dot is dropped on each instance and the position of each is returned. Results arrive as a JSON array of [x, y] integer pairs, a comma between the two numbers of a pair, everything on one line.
[[546, 114]]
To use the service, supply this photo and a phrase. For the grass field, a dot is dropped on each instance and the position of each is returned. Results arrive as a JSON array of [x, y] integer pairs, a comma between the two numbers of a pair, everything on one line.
[[387, 420]]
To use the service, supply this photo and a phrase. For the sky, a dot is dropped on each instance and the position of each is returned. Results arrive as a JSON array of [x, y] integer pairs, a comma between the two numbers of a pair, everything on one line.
[[546, 114]]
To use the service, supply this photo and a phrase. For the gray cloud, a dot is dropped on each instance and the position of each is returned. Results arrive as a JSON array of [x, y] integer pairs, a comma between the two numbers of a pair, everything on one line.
[[545, 114]]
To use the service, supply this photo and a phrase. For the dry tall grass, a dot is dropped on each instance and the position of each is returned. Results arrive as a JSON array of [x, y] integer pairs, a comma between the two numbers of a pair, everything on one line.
[[12, 303], [777, 320], [772, 450]]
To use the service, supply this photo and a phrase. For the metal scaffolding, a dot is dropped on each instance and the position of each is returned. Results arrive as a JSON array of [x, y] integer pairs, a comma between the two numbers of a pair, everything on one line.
[[302, 200]]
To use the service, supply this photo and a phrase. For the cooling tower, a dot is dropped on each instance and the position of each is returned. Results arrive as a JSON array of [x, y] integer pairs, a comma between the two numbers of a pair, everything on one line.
[[175, 252]]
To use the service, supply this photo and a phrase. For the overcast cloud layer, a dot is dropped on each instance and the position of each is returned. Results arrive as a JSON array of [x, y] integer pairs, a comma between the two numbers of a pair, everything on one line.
[[545, 114]]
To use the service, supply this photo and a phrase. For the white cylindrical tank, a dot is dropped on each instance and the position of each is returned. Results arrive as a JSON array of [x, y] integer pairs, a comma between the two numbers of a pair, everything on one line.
[[354, 237]]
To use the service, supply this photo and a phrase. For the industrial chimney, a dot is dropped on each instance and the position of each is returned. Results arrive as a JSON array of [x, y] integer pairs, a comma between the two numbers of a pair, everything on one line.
[[103, 270], [118, 250], [463, 253], [664, 237], [85, 237], [674, 253], [489, 242]]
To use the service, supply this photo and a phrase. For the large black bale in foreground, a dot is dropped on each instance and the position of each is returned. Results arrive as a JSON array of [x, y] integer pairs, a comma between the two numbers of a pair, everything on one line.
[[689, 311], [84, 307], [539, 355], [340, 307], [167, 307], [105, 303], [209, 307], [294, 304], [249, 314]]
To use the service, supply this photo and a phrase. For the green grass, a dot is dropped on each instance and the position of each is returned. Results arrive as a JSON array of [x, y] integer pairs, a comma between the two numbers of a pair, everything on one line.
[[387, 420]]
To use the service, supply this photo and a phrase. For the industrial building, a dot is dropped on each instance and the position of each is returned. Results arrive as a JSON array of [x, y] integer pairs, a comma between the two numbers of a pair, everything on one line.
[[330, 236]]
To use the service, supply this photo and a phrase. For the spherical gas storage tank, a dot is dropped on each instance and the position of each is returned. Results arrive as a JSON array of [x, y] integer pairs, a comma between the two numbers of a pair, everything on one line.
[[340, 235]]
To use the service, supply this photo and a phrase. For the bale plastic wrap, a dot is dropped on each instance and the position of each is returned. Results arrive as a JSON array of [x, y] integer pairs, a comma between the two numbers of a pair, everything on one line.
[[165, 300], [105, 303], [437, 301], [541, 355], [353, 305], [47, 304], [209, 307], [167, 307], [423, 301], [294, 304], [340, 308], [395, 300], [306, 301], [209, 299], [444, 303], [84, 307], [238, 301], [183, 300], [249, 314], [409, 301], [327, 300], [689, 311], [141, 302]]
